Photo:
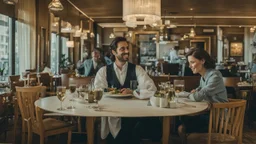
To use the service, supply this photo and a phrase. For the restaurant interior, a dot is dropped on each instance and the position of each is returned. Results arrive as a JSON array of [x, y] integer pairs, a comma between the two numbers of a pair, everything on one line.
[[44, 43]]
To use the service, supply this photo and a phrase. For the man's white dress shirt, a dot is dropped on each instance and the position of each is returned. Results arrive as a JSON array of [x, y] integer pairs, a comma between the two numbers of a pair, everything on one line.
[[94, 64], [113, 124]]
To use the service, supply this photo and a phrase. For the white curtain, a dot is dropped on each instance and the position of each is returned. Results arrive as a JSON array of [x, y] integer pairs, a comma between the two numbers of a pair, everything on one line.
[[26, 34]]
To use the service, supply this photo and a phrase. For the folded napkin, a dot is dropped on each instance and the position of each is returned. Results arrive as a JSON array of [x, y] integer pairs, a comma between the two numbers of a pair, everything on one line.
[[143, 94], [182, 94]]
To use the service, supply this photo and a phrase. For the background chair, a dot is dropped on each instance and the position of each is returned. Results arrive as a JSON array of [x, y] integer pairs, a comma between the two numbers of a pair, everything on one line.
[[225, 124], [231, 86]]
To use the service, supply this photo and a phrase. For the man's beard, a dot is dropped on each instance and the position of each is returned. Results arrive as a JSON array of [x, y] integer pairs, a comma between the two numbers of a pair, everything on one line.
[[121, 59]]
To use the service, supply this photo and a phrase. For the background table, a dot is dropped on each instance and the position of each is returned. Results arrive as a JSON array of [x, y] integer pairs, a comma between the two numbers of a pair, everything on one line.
[[117, 107]]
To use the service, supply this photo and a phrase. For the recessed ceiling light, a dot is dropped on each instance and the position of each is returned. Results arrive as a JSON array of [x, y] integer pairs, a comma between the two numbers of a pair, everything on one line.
[[240, 26], [191, 9]]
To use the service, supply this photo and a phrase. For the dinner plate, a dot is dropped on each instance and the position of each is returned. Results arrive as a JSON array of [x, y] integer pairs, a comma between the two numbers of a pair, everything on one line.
[[118, 95]]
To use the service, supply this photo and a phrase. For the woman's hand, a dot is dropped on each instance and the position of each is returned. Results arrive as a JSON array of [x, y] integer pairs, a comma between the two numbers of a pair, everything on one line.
[[193, 91], [126, 91]]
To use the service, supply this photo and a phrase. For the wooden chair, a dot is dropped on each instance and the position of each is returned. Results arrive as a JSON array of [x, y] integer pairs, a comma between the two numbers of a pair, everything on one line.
[[32, 117], [231, 86], [225, 124]]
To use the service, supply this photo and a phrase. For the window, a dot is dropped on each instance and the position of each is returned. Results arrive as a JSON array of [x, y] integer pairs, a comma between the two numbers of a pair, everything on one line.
[[64, 46], [22, 47], [55, 53], [5, 44]]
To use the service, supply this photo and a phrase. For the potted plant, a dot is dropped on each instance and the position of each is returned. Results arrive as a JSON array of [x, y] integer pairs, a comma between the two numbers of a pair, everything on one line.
[[64, 64]]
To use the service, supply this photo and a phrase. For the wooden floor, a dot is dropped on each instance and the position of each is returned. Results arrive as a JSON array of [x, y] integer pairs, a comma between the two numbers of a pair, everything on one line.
[[249, 137]]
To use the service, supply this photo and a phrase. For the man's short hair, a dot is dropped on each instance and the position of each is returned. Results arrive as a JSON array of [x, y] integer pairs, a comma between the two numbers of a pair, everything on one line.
[[97, 50], [113, 45]]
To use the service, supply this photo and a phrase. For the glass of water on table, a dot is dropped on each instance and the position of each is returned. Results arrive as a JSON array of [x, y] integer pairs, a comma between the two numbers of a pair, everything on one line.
[[179, 86]]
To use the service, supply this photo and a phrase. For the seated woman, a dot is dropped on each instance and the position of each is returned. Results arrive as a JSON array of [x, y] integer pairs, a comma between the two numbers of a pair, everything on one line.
[[211, 89]]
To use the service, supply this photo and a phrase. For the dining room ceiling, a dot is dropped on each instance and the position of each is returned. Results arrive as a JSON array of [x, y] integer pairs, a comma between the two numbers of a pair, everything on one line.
[[181, 12]]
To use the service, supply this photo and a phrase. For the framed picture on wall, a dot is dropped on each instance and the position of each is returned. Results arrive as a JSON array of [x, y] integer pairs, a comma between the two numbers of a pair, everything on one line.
[[236, 49]]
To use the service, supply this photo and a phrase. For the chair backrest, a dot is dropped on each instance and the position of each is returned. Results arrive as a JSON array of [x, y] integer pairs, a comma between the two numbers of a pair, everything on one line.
[[14, 81], [26, 97], [46, 79], [227, 118], [79, 81], [231, 86], [231, 81], [65, 79]]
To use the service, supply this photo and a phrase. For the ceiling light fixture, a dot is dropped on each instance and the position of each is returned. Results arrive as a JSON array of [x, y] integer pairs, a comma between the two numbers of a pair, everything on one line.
[[141, 12], [55, 5], [192, 30], [10, 2], [112, 35], [192, 33]]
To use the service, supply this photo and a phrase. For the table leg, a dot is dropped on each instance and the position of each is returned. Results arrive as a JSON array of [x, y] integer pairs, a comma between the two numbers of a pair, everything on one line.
[[90, 129], [166, 129]]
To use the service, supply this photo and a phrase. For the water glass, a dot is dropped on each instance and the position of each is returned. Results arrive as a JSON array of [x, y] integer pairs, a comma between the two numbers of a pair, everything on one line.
[[98, 93], [72, 89], [179, 86], [133, 84]]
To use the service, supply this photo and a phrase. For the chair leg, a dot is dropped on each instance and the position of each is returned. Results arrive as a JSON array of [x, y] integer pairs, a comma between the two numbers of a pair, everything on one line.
[[29, 134], [23, 132], [79, 124], [5, 135], [15, 125], [69, 137], [41, 139]]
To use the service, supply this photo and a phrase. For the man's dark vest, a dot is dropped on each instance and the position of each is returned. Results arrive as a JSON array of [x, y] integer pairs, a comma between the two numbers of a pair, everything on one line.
[[113, 80]]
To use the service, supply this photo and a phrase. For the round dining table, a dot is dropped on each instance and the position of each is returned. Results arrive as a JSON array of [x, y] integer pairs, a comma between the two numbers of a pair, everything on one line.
[[121, 107]]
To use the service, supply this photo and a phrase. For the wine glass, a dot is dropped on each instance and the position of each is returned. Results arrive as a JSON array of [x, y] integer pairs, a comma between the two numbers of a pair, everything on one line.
[[61, 90], [72, 89], [98, 93]]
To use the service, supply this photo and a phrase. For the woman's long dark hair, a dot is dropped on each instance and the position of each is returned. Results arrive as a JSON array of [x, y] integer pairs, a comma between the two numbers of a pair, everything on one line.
[[202, 54]]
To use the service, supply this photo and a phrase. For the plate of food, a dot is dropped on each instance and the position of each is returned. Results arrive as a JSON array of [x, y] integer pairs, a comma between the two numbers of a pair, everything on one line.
[[113, 92]]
